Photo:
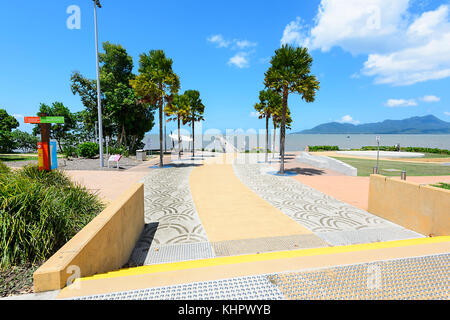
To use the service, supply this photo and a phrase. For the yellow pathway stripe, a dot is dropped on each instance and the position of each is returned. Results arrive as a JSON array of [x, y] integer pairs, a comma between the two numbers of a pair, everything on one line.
[[229, 210], [220, 261]]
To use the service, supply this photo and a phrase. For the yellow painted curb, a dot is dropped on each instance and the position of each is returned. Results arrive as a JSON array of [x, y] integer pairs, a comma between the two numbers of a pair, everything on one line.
[[264, 257]]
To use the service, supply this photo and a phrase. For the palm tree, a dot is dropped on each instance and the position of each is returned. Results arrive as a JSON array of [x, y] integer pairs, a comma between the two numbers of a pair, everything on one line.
[[196, 110], [177, 109], [276, 119], [290, 72], [269, 101], [155, 84]]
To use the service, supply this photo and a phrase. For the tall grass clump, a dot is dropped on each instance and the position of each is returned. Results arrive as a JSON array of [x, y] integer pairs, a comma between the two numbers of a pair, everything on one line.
[[39, 212]]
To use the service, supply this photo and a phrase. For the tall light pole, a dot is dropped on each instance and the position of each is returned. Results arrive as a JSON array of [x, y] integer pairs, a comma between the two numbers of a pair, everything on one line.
[[378, 154], [99, 99]]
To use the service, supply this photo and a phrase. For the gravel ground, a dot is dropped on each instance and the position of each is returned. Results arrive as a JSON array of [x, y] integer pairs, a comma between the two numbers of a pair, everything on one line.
[[17, 280], [83, 164]]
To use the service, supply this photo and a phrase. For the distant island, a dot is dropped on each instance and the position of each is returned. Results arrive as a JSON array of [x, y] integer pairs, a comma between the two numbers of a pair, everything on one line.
[[415, 125]]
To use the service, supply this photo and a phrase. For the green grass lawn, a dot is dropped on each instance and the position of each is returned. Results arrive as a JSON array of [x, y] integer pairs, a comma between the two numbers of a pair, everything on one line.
[[365, 167], [442, 185], [434, 155], [21, 157], [11, 157]]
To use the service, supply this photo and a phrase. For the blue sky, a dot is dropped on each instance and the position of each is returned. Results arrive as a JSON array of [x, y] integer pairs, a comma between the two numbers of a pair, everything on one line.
[[375, 59]]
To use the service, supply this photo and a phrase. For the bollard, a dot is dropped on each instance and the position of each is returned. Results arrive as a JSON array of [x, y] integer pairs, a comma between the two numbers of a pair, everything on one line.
[[403, 176]]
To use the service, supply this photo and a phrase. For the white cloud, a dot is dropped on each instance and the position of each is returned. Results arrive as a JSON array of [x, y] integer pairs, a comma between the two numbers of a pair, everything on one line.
[[18, 116], [430, 99], [219, 41], [394, 103], [447, 113], [239, 60], [294, 33], [357, 26], [242, 44], [402, 48], [254, 114], [430, 61], [348, 119]]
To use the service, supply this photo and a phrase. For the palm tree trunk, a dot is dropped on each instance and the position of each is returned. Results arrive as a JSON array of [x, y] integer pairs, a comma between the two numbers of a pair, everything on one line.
[[179, 140], [160, 134], [267, 138], [193, 138], [283, 129], [274, 135]]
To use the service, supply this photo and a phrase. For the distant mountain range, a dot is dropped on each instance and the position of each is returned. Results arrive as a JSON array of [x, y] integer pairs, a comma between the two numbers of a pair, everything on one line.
[[415, 125]]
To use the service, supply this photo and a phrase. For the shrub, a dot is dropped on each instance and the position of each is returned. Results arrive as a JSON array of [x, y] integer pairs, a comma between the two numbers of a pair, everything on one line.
[[122, 150], [39, 212], [4, 168], [69, 151], [382, 148], [88, 150], [442, 185], [323, 148], [408, 149]]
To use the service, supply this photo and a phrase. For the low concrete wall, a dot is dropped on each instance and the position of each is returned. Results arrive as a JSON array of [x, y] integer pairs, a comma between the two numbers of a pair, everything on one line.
[[323, 162], [105, 244], [421, 208]]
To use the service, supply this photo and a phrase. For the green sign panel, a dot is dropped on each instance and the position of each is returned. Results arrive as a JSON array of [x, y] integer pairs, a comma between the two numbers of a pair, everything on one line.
[[52, 119]]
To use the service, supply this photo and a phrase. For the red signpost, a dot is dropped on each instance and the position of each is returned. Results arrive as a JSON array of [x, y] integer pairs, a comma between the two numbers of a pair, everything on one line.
[[44, 157]]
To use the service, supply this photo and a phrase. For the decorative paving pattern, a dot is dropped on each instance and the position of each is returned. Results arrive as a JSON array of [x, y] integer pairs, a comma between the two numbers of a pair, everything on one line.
[[412, 278], [245, 288], [313, 209], [168, 202], [252, 246], [179, 252]]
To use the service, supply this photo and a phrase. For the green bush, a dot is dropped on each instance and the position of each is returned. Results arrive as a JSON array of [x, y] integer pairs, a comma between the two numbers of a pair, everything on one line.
[[88, 150], [69, 151], [323, 148], [39, 212], [4, 168], [119, 150], [408, 149], [442, 185], [426, 150]]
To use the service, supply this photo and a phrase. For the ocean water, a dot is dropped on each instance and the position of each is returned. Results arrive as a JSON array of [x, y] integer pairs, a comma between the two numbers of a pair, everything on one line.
[[297, 142]]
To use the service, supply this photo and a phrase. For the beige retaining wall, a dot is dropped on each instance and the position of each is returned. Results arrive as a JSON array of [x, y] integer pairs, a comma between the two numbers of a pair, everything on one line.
[[105, 244], [422, 208]]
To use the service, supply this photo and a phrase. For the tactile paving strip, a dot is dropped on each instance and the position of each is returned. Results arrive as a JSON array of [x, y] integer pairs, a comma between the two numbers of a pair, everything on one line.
[[259, 245], [180, 252], [368, 235], [411, 278], [244, 288]]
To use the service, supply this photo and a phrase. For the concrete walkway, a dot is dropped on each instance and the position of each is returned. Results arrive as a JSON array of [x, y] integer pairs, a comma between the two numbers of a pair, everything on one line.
[[229, 210], [109, 185]]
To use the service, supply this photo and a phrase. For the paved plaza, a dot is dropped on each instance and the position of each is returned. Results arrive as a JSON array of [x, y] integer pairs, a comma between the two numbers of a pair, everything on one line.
[[226, 226]]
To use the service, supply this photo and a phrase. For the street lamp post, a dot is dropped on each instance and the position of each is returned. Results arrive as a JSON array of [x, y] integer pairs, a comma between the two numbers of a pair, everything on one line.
[[378, 154], [99, 100]]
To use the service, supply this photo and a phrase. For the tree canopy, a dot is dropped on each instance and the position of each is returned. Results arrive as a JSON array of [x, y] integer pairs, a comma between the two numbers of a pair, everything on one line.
[[156, 83], [7, 124], [124, 114], [290, 72], [59, 132]]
